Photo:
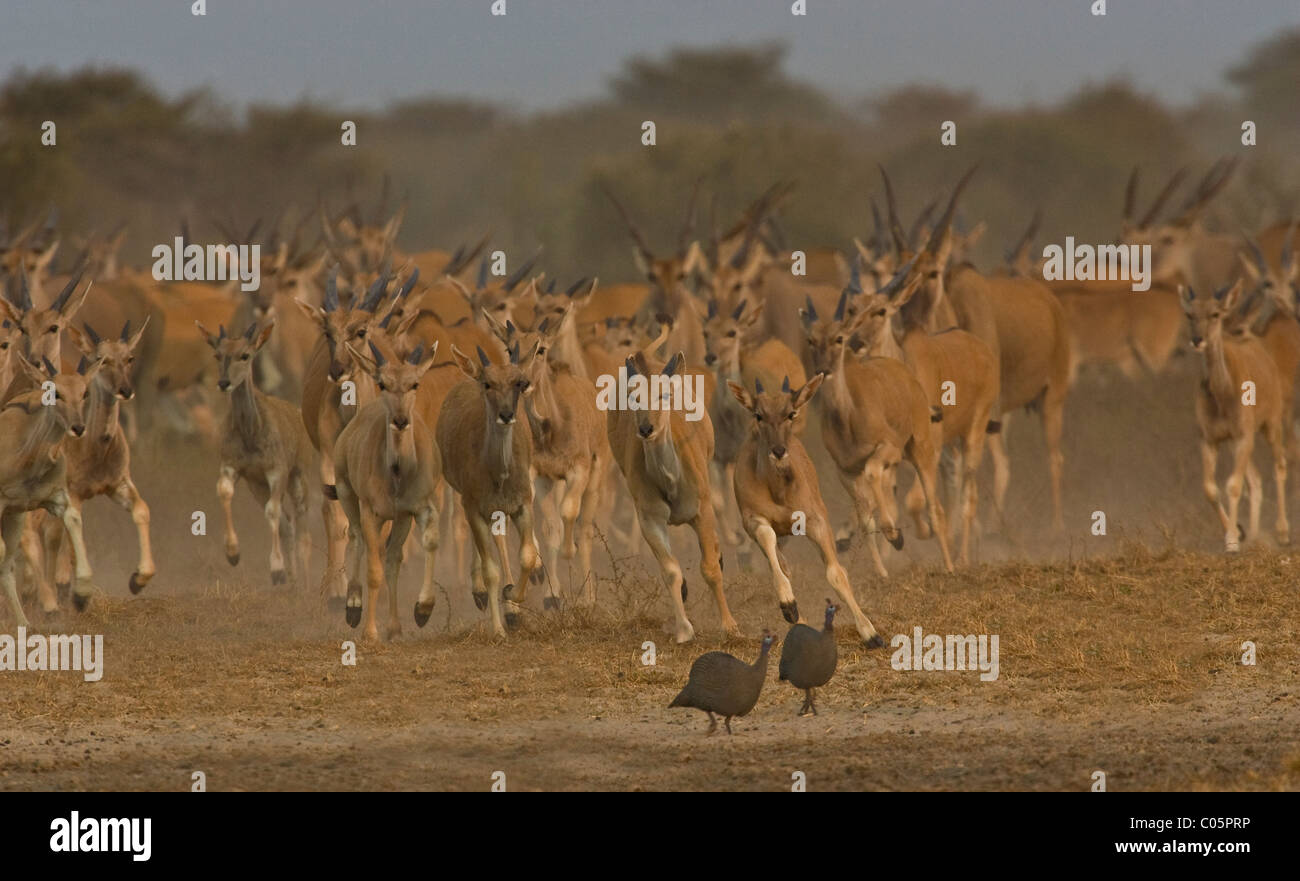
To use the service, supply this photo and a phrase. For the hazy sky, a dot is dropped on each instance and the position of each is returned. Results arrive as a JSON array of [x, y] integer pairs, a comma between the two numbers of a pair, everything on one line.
[[546, 53]]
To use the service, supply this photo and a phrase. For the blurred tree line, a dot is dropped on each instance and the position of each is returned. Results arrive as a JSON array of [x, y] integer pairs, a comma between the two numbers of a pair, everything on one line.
[[731, 116]]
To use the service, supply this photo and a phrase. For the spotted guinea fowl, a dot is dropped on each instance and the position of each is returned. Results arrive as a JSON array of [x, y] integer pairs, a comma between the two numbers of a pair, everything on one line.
[[723, 684], [808, 658]]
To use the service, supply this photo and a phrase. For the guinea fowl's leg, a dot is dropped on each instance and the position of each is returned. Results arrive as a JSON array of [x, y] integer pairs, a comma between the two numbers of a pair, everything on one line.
[[713, 723], [727, 722], [811, 695]]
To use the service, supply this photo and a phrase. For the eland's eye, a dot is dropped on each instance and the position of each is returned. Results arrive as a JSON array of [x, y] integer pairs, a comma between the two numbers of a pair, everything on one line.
[[758, 417], [54, 328], [244, 357], [730, 334], [487, 386], [360, 334], [415, 386], [839, 340], [522, 385]]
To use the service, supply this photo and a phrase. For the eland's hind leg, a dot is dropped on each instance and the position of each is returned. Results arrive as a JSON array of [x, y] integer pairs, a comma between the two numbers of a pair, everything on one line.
[[11, 527], [1278, 443]]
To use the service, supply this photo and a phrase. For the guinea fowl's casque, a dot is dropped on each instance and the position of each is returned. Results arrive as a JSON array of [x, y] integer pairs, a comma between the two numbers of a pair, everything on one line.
[[723, 684], [808, 657]]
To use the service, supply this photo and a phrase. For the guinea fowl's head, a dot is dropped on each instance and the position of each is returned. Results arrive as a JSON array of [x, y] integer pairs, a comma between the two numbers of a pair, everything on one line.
[[831, 609], [768, 639]]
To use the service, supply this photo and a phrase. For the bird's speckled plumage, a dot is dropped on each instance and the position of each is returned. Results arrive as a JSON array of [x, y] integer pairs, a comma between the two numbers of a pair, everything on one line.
[[809, 657], [723, 684]]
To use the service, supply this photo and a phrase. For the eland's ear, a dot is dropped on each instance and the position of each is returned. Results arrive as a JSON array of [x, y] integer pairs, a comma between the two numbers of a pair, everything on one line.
[[467, 365], [1186, 295], [212, 339], [741, 394], [43, 261], [81, 340], [910, 287], [312, 311], [1233, 296], [429, 357], [10, 313], [643, 263], [674, 364], [263, 335], [1247, 264], [526, 360], [68, 305], [135, 338], [367, 364], [346, 228], [805, 394], [89, 367], [501, 331], [465, 292], [34, 373], [694, 259]]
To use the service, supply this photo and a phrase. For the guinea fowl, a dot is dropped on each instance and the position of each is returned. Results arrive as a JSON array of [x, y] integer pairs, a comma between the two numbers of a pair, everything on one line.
[[723, 684], [808, 658]]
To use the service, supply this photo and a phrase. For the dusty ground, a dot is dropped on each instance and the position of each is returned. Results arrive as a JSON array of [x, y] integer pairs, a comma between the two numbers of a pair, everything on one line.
[[1130, 666], [1119, 654]]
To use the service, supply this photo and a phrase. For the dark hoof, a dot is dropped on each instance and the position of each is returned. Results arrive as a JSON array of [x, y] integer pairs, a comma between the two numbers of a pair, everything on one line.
[[63, 590], [790, 611], [353, 615], [538, 576], [512, 620], [507, 591], [80, 601], [897, 542], [875, 642], [278, 576], [480, 599], [842, 544], [683, 590], [233, 559], [422, 618], [134, 583], [550, 604]]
